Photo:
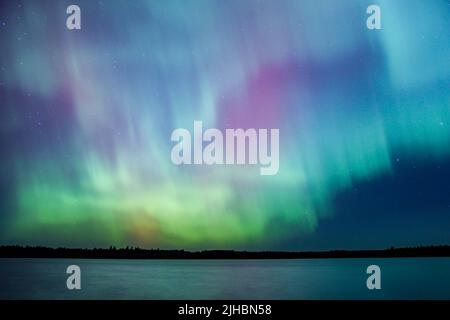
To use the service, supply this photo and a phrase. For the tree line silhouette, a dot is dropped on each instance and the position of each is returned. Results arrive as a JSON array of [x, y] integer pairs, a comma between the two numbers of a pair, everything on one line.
[[138, 253]]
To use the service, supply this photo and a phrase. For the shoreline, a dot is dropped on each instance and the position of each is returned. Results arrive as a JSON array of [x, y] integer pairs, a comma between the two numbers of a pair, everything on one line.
[[158, 254]]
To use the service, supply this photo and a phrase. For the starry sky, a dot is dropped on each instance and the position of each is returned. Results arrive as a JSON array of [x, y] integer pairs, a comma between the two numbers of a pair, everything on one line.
[[87, 115]]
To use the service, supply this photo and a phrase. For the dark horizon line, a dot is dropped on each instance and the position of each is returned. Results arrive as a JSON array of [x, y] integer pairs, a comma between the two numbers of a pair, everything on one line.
[[18, 251]]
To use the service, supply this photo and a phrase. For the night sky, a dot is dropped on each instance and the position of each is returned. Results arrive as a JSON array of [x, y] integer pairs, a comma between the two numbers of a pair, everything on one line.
[[87, 115]]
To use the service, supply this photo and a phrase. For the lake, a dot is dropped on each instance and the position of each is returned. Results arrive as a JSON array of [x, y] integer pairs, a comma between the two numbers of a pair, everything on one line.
[[401, 278]]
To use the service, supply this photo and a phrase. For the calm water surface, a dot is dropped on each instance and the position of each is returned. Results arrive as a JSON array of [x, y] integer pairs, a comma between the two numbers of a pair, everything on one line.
[[410, 278]]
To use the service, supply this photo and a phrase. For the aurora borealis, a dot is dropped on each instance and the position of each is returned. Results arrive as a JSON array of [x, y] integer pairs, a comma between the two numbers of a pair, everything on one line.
[[87, 115]]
